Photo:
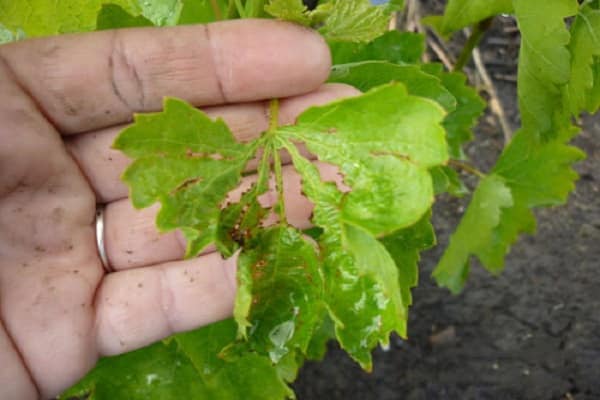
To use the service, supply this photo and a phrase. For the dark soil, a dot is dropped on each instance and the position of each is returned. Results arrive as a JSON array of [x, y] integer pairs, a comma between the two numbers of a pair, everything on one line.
[[531, 333]]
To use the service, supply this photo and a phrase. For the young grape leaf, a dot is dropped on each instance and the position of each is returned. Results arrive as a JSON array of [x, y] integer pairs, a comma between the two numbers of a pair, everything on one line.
[[544, 65], [188, 163], [393, 46], [186, 366], [463, 13], [281, 292], [354, 21], [289, 10], [584, 46]]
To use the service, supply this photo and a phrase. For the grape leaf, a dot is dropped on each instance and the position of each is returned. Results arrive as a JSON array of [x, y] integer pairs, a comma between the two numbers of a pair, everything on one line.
[[393, 46], [289, 10], [405, 247], [186, 366], [42, 18], [474, 232], [593, 94], [463, 13], [200, 11], [388, 145], [281, 292], [112, 16], [536, 168], [384, 142], [354, 21], [544, 64], [538, 174], [337, 20], [584, 46], [187, 162], [459, 122], [369, 74], [450, 90], [447, 180]]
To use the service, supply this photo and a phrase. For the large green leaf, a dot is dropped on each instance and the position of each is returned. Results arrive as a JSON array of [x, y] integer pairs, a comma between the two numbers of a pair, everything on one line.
[[43, 18], [584, 46], [384, 143], [405, 247], [188, 163], [544, 65], [112, 16], [459, 122], [463, 13], [186, 366], [393, 46], [450, 90], [369, 74], [474, 232]]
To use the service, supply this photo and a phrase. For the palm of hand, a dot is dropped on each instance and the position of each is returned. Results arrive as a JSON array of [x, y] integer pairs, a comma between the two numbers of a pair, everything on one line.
[[65, 99]]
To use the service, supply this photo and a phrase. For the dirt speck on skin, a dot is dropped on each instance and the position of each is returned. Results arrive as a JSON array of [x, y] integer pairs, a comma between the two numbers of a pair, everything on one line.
[[530, 333]]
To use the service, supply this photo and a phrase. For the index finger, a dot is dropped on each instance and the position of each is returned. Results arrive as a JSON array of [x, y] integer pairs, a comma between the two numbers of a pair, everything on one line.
[[94, 80]]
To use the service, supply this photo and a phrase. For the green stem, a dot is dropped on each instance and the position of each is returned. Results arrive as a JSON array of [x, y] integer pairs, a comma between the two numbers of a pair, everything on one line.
[[466, 167], [478, 31], [240, 9], [216, 10], [273, 115], [279, 185], [277, 166]]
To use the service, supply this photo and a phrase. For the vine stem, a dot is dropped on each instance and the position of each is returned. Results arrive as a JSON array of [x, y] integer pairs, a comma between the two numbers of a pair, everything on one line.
[[466, 167], [216, 10], [273, 125], [474, 38]]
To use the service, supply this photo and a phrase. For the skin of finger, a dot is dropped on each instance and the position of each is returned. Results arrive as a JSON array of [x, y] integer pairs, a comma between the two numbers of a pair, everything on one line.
[[103, 165], [15, 382], [140, 306], [49, 269], [90, 81]]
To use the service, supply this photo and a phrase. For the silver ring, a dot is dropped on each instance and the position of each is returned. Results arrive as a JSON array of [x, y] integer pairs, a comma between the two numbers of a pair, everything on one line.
[[100, 239]]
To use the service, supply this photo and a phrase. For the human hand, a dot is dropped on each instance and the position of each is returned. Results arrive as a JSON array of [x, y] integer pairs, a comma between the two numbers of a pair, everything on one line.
[[64, 99]]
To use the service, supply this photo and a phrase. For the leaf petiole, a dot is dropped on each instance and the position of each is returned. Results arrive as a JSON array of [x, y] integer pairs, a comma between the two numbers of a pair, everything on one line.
[[272, 143], [463, 166]]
